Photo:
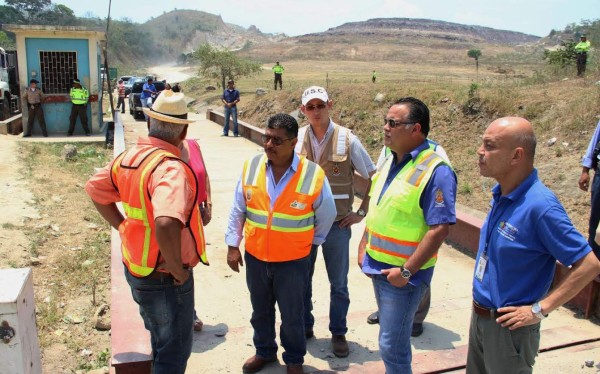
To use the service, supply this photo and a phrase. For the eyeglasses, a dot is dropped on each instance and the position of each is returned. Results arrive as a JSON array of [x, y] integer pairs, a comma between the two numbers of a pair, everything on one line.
[[274, 140], [310, 108], [393, 123]]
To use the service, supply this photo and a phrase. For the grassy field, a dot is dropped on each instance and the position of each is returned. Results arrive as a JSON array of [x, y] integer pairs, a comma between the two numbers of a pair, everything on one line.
[[462, 103]]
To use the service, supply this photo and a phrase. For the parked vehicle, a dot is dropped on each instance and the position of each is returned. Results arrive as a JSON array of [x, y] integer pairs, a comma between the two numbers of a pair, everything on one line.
[[135, 104], [128, 84], [9, 85]]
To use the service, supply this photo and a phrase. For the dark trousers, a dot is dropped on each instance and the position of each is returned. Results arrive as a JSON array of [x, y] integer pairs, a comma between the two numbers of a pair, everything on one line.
[[594, 214], [278, 78], [581, 62], [121, 104], [81, 111], [33, 111], [283, 283]]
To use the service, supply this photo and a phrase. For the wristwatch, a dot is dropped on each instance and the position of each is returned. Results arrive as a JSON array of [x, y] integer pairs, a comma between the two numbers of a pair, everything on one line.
[[361, 212], [536, 309], [405, 273]]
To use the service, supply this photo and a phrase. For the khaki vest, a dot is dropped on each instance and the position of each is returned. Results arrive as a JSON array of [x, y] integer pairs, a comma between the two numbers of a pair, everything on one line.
[[337, 164]]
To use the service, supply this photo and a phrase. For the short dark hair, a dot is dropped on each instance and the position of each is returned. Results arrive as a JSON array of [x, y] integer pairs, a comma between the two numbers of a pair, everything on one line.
[[418, 112], [284, 121]]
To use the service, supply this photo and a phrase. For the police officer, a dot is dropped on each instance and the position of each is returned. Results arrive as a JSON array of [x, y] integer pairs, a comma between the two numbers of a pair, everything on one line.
[[79, 98], [278, 70], [582, 48], [33, 97]]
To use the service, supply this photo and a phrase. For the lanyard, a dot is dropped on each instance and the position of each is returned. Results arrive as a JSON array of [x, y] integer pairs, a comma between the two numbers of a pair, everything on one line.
[[492, 224]]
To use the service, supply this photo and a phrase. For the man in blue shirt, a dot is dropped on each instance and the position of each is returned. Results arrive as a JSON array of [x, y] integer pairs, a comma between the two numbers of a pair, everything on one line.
[[230, 98], [271, 211], [148, 92], [590, 161], [525, 232], [412, 205]]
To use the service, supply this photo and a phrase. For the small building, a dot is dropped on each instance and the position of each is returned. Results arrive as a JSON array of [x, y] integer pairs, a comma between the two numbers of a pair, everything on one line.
[[55, 55]]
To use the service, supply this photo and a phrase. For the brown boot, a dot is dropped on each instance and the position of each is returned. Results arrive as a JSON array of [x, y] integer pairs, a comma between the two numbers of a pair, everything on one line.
[[255, 364], [339, 345], [295, 369]]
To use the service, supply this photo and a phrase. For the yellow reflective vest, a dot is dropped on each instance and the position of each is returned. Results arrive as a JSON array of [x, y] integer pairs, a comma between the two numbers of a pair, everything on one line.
[[79, 95], [583, 47], [278, 69], [396, 225]]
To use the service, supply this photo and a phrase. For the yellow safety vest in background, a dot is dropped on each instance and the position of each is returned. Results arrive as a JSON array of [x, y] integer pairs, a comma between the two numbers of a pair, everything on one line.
[[278, 69], [79, 95], [583, 47]]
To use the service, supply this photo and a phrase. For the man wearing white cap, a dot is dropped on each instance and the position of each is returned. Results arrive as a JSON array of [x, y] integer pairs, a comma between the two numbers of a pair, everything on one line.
[[339, 152], [161, 231]]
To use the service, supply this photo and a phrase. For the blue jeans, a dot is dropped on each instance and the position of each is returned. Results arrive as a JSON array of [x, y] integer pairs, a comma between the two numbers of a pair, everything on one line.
[[144, 105], [168, 313], [284, 283], [397, 307], [594, 214], [233, 113], [336, 254]]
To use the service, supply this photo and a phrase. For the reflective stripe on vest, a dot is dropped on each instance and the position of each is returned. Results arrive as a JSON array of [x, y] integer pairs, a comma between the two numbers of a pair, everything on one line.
[[285, 231], [396, 225], [79, 95]]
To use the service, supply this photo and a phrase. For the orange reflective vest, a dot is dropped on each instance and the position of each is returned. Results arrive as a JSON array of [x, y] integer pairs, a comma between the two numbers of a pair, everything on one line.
[[284, 232], [138, 243]]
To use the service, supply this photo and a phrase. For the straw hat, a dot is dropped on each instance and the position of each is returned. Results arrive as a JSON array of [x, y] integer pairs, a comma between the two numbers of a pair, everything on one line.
[[169, 107]]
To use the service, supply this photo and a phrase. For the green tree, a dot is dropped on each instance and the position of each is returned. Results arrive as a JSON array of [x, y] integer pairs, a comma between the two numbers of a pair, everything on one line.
[[29, 8], [10, 15], [223, 64], [475, 53], [58, 15], [6, 42], [562, 56]]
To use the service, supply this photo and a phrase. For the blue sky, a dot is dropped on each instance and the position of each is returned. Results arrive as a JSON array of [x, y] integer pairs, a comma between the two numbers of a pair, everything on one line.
[[296, 17]]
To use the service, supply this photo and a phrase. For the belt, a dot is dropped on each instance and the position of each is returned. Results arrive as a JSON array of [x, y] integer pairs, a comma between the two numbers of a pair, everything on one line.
[[485, 312]]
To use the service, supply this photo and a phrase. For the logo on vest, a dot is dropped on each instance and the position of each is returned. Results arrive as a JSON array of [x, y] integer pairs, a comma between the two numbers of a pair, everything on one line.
[[297, 205], [439, 199], [248, 194], [336, 170]]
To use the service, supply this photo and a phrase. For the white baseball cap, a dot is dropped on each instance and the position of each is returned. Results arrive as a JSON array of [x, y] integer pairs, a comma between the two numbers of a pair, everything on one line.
[[314, 92]]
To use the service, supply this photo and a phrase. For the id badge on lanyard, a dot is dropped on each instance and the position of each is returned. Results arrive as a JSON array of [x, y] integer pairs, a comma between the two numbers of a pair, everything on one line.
[[481, 264]]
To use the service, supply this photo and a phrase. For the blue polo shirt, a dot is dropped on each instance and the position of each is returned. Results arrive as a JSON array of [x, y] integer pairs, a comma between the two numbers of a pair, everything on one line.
[[526, 231], [145, 87], [442, 180], [231, 95]]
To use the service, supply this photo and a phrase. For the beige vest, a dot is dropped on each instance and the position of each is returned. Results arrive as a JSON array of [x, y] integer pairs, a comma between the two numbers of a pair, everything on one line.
[[337, 164]]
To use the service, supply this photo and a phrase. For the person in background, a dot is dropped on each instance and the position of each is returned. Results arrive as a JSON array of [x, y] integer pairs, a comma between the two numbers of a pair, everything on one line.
[[79, 99], [283, 205], [278, 72], [582, 48], [374, 76], [34, 97], [191, 154], [526, 231], [230, 98], [147, 95], [121, 93]]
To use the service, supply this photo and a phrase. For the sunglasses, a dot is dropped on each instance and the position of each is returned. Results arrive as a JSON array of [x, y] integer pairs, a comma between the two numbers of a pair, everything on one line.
[[393, 123], [310, 108], [274, 140]]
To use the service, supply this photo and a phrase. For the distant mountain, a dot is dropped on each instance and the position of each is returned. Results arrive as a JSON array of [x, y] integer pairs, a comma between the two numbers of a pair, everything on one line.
[[426, 29]]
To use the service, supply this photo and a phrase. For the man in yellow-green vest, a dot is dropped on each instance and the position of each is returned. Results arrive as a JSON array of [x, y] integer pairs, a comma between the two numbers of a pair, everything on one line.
[[582, 48], [79, 98], [278, 70], [412, 205]]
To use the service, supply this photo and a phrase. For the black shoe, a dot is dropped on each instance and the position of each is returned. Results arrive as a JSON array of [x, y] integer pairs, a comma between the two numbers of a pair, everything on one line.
[[373, 319], [309, 333], [26, 135], [417, 330], [224, 135], [69, 134]]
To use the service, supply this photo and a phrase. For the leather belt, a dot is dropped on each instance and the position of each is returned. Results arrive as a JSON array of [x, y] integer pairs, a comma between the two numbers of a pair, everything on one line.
[[485, 312]]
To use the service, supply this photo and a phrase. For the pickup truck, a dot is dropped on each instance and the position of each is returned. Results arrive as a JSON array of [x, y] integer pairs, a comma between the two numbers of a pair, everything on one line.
[[135, 104]]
